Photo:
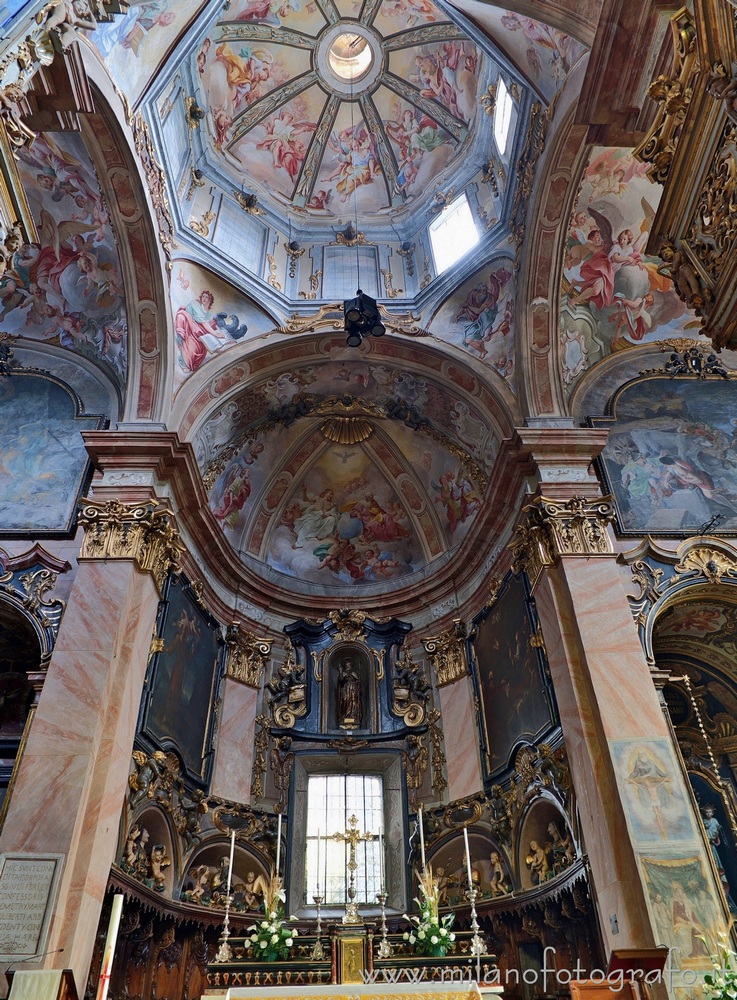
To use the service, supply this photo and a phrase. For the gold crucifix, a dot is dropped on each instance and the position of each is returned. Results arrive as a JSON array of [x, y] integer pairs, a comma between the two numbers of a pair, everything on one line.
[[351, 837]]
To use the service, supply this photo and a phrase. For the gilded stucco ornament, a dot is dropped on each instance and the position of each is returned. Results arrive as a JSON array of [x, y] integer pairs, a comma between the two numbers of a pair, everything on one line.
[[410, 690], [673, 93], [554, 528], [438, 758], [145, 532], [350, 625], [713, 226], [247, 656], [710, 563], [260, 748], [415, 759], [153, 777], [447, 653], [288, 692], [156, 180]]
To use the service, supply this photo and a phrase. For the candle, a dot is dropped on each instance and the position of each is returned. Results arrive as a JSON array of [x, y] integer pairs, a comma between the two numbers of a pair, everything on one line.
[[468, 858], [230, 863], [112, 936], [381, 860], [278, 844], [317, 866], [422, 836]]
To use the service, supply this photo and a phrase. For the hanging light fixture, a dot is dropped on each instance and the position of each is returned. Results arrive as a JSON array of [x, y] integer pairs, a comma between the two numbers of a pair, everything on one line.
[[362, 317]]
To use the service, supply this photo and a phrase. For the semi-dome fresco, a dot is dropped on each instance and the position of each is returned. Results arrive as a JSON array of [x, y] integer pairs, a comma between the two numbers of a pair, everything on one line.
[[331, 105], [380, 472]]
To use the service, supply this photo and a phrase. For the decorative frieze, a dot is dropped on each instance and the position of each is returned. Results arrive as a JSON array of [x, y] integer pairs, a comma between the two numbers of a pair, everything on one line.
[[247, 656], [447, 653], [145, 532]]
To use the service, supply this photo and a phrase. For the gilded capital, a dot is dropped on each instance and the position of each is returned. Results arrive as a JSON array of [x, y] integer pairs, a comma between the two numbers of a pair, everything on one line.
[[145, 532], [247, 656], [553, 528], [447, 653]]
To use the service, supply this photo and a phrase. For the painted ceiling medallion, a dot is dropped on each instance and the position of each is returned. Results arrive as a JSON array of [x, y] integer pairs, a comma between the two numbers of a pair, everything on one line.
[[347, 430]]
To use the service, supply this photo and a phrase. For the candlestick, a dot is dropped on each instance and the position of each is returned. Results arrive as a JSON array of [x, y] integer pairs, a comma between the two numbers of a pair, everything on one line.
[[385, 949], [317, 866], [318, 951], [230, 863], [468, 858], [278, 844], [422, 836], [112, 937], [381, 860]]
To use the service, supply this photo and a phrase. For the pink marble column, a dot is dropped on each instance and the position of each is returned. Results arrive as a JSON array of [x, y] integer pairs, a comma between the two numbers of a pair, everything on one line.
[[73, 776]]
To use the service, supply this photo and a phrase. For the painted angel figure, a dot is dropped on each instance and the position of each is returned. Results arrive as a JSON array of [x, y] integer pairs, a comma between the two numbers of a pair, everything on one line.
[[283, 142]]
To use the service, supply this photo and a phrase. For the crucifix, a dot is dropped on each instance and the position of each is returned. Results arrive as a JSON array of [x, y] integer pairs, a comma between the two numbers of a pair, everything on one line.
[[351, 837]]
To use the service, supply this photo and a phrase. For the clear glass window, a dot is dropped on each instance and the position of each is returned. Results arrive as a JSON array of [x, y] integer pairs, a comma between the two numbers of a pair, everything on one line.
[[502, 116], [331, 801], [452, 234]]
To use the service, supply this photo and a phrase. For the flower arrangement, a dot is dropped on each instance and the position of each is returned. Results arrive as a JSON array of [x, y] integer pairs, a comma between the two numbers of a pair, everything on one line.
[[721, 984], [430, 934], [271, 938]]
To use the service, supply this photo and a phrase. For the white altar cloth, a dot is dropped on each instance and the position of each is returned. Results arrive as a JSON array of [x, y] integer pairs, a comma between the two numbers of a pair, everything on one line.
[[466, 990]]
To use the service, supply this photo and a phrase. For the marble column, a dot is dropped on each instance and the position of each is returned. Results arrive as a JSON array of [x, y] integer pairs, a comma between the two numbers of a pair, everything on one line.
[[637, 820], [73, 776]]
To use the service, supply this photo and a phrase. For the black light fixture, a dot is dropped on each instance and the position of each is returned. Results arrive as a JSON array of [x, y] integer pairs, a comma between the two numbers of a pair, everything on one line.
[[362, 319]]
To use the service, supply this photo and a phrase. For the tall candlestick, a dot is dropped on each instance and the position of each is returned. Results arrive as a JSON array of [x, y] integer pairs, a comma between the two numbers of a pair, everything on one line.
[[278, 844], [230, 863], [112, 937], [381, 860], [422, 836], [468, 858], [317, 866]]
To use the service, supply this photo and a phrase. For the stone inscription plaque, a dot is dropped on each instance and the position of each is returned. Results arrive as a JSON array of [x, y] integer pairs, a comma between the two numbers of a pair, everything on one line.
[[28, 888]]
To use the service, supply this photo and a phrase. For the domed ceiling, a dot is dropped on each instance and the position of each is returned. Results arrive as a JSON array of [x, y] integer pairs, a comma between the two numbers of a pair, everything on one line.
[[334, 106]]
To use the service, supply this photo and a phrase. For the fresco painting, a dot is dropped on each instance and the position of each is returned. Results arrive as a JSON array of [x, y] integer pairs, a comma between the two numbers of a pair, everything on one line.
[[420, 145], [544, 54], [479, 317], [613, 294], [683, 909], [295, 14], [344, 522], [510, 676], [209, 317], [67, 289], [444, 72], [394, 14], [133, 46], [275, 150], [652, 789], [177, 709], [350, 170], [671, 455], [41, 445]]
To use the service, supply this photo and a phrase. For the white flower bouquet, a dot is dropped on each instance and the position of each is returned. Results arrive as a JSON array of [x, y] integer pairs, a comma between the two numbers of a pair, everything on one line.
[[272, 938], [430, 933]]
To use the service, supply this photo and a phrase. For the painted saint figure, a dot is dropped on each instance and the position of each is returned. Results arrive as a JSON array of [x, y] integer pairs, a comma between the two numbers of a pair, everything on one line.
[[349, 695]]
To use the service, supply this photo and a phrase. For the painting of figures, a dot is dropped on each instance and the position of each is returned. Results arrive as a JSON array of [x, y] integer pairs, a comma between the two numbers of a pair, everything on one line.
[[67, 289], [652, 790], [133, 46], [684, 911], [479, 317], [177, 711], [509, 671], [614, 295], [209, 317], [671, 455], [40, 445]]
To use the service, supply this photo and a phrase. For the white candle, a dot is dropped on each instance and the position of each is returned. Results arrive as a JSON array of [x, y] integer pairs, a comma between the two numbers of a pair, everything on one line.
[[422, 836], [317, 866], [230, 863], [112, 937], [278, 844], [468, 858], [381, 860]]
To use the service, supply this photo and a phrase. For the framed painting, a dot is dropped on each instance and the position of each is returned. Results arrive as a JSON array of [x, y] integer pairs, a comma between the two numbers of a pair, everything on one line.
[[510, 675], [670, 460], [181, 690], [45, 467]]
